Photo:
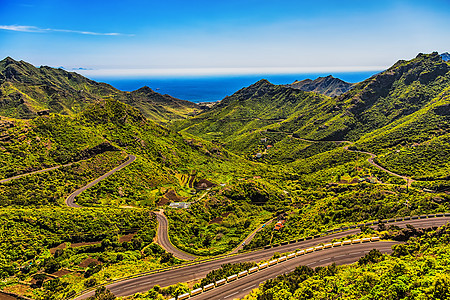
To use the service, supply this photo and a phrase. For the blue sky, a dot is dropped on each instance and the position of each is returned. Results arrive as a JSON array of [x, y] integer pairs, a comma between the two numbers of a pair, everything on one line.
[[206, 37]]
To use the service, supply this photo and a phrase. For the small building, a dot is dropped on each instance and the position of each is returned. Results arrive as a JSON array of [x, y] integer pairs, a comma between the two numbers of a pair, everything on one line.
[[180, 204], [269, 146], [258, 155]]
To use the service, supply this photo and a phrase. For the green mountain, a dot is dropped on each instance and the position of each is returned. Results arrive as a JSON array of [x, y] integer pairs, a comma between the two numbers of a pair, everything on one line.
[[106, 127], [328, 86], [261, 105], [27, 91], [400, 114], [304, 173]]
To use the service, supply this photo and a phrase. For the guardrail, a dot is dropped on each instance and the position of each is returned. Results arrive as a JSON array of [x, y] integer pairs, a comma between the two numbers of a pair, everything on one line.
[[265, 265], [328, 232]]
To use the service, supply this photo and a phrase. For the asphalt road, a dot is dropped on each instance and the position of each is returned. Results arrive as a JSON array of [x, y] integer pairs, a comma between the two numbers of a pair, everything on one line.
[[70, 201], [197, 270], [340, 255], [162, 238]]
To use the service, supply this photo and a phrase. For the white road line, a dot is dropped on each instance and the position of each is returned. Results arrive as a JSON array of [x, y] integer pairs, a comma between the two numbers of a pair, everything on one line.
[[351, 253], [249, 287], [230, 295], [339, 256]]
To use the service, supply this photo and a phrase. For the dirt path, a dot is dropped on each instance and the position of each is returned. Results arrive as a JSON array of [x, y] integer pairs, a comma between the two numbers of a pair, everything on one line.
[[250, 237], [37, 172]]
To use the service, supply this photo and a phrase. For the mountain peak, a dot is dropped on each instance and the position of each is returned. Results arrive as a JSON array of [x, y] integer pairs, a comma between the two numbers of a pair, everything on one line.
[[145, 89], [329, 86], [262, 82], [8, 59]]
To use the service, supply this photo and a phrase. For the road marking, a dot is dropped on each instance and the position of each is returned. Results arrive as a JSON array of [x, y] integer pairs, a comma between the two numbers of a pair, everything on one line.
[[249, 287], [339, 256], [230, 295], [325, 259], [355, 253]]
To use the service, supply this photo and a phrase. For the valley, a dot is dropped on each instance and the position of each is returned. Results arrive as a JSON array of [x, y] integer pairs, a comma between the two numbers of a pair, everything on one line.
[[91, 178]]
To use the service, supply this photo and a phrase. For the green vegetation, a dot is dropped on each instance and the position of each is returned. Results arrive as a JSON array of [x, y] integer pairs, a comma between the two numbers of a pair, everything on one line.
[[97, 244], [52, 187], [416, 270], [214, 226], [303, 175]]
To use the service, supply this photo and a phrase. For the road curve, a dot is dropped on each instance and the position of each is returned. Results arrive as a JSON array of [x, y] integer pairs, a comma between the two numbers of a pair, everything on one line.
[[162, 238], [70, 201], [373, 163], [197, 270], [370, 159]]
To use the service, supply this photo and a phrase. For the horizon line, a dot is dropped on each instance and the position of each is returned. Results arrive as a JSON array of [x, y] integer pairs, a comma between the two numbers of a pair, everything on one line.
[[193, 72]]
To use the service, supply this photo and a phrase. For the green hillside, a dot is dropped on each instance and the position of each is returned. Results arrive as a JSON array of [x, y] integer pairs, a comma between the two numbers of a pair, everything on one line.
[[403, 89], [305, 173], [27, 91], [259, 106]]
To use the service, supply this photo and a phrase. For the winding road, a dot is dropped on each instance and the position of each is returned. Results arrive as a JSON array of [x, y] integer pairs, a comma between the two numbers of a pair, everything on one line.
[[370, 160], [70, 201], [340, 256], [162, 238], [373, 163], [199, 269]]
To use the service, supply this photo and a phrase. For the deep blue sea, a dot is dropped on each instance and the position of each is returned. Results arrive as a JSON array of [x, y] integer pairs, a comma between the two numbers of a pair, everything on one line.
[[214, 88]]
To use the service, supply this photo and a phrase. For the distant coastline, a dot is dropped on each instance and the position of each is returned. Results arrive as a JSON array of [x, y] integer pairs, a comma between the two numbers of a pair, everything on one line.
[[215, 88]]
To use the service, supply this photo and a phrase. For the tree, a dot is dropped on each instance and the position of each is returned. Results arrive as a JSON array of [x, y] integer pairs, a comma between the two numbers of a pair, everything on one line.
[[102, 293]]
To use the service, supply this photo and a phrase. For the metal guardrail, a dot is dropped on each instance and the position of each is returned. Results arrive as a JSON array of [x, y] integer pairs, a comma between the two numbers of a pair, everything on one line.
[[269, 264]]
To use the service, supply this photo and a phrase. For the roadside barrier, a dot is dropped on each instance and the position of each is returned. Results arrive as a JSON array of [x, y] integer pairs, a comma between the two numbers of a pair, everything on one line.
[[265, 265]]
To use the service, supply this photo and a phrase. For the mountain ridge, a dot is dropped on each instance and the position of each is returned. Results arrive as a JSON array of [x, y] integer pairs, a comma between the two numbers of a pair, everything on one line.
[[26, 90]]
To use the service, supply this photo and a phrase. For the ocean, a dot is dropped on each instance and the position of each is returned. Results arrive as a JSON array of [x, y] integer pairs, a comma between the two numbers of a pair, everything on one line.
[[214, 88]]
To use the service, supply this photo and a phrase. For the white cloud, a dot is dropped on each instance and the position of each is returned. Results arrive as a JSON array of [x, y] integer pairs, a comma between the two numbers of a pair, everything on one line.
[[24, 28], [21, 28]]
